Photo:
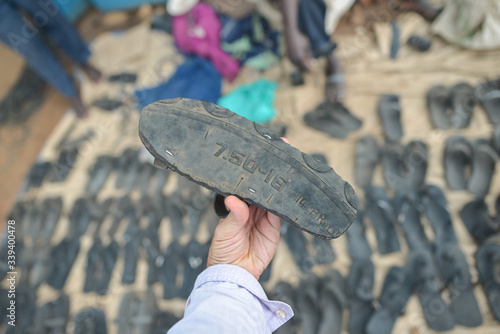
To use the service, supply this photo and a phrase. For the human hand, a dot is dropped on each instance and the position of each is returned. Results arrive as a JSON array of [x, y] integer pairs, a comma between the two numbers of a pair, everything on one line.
[[247, 237]]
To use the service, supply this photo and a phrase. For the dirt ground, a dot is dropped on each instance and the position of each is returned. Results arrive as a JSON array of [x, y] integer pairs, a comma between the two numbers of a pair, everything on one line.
[[369, 73]]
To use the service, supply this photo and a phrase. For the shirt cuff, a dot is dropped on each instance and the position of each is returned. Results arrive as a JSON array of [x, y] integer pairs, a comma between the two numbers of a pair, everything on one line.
[[276, 312]]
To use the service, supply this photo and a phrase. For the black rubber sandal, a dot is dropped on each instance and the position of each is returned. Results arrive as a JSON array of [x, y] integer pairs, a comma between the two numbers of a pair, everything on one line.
[[435, 208], [389, 110], [380, 211], [478, 221], [488, 94], [367, 156], [456, 160], [484, 159], [229, 154], [454, 271], [397, 288], [439, 105], [357, 245], [487, 264], [463, 103], [360, 290]]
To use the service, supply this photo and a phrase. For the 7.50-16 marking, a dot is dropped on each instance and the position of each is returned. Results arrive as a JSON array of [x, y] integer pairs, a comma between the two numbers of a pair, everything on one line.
[[250, 164]]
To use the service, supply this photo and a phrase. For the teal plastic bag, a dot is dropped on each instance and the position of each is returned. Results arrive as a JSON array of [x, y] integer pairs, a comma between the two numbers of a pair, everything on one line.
[[254, 101]]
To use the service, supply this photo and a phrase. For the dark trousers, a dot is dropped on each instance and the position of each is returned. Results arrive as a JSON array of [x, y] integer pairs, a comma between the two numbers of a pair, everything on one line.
[[312, 24], [24, 37]]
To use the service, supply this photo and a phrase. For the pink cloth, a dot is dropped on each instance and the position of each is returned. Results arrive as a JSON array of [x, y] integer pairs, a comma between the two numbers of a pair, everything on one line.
[[198, 32]]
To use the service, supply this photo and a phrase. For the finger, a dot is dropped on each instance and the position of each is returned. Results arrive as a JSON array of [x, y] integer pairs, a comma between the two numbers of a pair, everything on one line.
[[238, 215]]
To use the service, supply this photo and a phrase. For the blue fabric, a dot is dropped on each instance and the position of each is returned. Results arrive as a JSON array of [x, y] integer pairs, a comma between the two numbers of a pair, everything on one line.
[[73, 9], [233, 30], [111, 5], [312, 23], [228, 299], [196, 78], [24, 38], [254, 101]]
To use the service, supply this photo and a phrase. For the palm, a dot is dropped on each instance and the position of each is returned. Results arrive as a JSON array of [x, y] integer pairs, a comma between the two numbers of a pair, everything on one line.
[[248, 238]]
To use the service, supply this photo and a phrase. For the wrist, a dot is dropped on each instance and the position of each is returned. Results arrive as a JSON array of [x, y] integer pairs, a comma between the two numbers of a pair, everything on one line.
[[251, 270]]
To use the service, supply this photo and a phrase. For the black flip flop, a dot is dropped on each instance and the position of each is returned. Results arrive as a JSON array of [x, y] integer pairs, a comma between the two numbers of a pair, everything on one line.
[[397, 288], [380, 212], [93, 258], [484, 159], [174, 258], [463, 102], [360, 291], [52, 317], [196, 261], [436, 313], [488, 94], [439, 104], [307, 301], [163, 322], [332, 302], [487, 264], [394, 166], [37, 174], [323, 251], [90, 321], [173, 207], [357, 245], [123, 166], [132, 244], [99, 173], [63, 256], [79, 217], [229, 154], [297, 244], [435, 207], [454, 271], [416, 156], [342, 115], [109, 255], [145, 174], [25, 309], [389, 110], [457, 157], [136, 313], [478, 221], [367, 156], [321, 120], [406, 206]]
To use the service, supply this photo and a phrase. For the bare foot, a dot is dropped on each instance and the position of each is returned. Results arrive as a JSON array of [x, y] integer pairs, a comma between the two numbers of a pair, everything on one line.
[[92, 73], [80, 109], [335, 84]]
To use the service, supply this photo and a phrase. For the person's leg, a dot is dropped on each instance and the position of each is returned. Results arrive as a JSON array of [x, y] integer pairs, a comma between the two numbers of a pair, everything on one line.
[[312, 24], [421, 7], [47, 17], [335, 83], [23, 38]]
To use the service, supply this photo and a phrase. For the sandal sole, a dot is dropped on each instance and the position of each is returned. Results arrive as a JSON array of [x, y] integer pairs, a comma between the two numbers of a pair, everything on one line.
[[229, 154]]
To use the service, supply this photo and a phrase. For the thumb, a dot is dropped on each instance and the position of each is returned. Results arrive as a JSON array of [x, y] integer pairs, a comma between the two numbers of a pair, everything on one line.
[[237, 218]]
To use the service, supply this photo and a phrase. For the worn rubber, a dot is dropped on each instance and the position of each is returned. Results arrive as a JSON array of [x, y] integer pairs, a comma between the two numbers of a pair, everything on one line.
[[229, 154]]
